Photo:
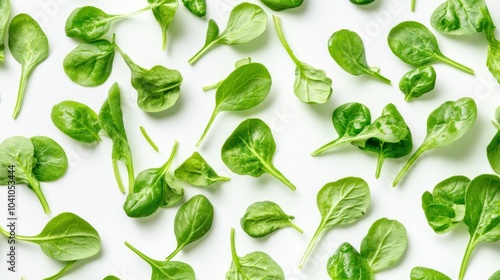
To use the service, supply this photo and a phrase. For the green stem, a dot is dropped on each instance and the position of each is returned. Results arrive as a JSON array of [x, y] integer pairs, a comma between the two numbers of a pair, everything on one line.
[[455, 64], [201, 52], [139, 253], [34, 184], [380, 162], [133, 67], [177, 250], [465, 260], [329, 145], [413, 5], [234, 255], [296, 227], [212, 118], [167, 164], [279, 31], [214, 86], [164, 39], [379, 77], [62, 272], [150, 141], [4, 232], [118, 178], [25, 72], [496, 125], [278, 175], [312, 244], [407, 166], [130, 173], [147, 8]]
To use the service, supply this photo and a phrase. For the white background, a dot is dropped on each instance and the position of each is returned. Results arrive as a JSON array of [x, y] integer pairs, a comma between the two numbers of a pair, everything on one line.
[[89, 188]]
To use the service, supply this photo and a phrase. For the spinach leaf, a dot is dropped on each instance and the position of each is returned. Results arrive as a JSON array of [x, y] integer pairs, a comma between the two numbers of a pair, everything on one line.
[[148, 192], [249, 150], [111, 277], [482, 214], [347, 264], [196, 171], [445, 207], [280, 5], [495, 276], [76, 120], [362, 2], [246, 22], [493, 58], [390, 127], [110, 119], [66, 237], [445, 125], [150, 141], [239, 63], [29, 46], [62, 272], [385, 244], [256, 265], [264, 218], [347, 49], [162, 270], [493, 149], [172, 193], [424, 273], [415, 44], [51, 160], [311, 86], [90, 64], [164, 12], [196, 7], [418, 82], [5, 10], [386, 150], [246, 87], [459, 17], [158, 88], [192, 222], [340, 203]]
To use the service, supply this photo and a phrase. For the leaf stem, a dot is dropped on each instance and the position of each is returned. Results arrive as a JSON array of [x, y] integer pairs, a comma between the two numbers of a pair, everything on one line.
[[213, 86], [413, 5], [278, 175], [201, 52], [150, 141], [279, 31], [212, 118], [296, 227], [455, 64], [496, 125], [380, 162], [379, 77], [139, 253], [62, 272], [175, 252], [407, 166], [34, 184], [465, 260], [234, 255], [4, 232], [25, 72], [116, 171], [167, 164], [327, 146], [312, 244], [130, 173]]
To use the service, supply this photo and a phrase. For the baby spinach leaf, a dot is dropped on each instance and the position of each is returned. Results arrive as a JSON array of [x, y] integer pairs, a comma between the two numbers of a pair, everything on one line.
[[385, 244], [495, 276], [5, 9], [346, 264], [256, 265], [418, 82], [386, 150], [66, 237], [246, 87], [264, 218], [110, 119], [239, 63], [76, 120], [280, 5], [362, 2], [150, 141], [347, 49], [415, 44], [162, 270], [164, 12], [311, 86], [340, 203], [493, 58], [62, 272], [90, 64], [459, 17], [196, 7], [424, 273], [196, 171], [246, 22], [192, 222], [158, 88], [390, 127], [51, 160], [147, 194], [493, 149], [29, 46], [172, 193], [249, 150], [445, 125], [482, 214], [17, 151], [111, 277], [445, 207]]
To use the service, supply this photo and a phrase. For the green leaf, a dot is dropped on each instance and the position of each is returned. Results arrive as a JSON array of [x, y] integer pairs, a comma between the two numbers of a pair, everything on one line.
[[76, 120], [249, 150], [385, 244], [29, 46], [164, 12], [88, 23], [196, 171], [495, 276], [196, 7], [5, 10], [418, 82], [90, 64], [362, 2], [347, 264], [424, 273], [493, 152], [51, 160], [281, 5], [246, 87], [111, 277], [347, 49], [340, 203], [460, 17], [415, 44], [445, 125], [264, 218]]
